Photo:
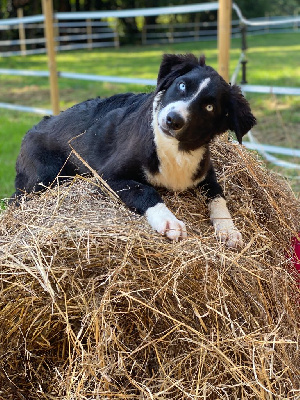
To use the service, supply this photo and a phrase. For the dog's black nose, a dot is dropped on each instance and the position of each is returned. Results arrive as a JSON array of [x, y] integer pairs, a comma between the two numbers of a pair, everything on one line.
[[174, 121]]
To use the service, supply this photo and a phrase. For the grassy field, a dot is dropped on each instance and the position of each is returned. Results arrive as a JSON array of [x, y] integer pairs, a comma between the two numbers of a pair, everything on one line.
[[272, 60]]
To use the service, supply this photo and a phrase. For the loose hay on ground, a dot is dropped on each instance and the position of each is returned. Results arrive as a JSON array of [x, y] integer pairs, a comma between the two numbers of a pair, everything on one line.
[[96, 305]]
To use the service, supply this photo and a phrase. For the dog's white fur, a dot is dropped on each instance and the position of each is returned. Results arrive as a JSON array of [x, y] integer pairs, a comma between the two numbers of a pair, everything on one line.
[[164, 222], [176, 169]]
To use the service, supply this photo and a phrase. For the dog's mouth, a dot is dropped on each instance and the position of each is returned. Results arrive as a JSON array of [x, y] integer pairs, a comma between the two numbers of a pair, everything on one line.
[[167, 131]]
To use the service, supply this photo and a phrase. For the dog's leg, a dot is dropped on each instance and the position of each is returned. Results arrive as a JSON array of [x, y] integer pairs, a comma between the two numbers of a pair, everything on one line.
[[145, 200], [223, 223], [220, 216]]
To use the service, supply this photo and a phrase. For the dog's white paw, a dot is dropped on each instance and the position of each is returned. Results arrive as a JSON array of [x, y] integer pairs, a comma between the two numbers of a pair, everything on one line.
[[227, 233], [225, 229], [163, 221]]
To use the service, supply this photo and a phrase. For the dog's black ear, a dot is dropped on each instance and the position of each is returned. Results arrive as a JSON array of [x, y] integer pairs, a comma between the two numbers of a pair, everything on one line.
[[171, 62], [240, 117], [174, 65], [202, 60]]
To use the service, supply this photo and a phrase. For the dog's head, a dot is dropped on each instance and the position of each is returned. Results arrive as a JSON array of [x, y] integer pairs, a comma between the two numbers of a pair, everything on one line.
[[193, 102]]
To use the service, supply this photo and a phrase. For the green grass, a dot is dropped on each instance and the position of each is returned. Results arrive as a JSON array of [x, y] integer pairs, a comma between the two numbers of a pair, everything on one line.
[[272, 60], [13, 125]]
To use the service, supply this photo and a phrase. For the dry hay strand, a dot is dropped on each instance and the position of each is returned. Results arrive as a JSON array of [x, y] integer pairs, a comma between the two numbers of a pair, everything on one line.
[[95, 305]]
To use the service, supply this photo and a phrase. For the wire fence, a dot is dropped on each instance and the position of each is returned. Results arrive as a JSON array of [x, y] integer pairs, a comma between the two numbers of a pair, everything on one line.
[[88, 38], [266, 150], [197, 31], [85, 21], [87, 34]]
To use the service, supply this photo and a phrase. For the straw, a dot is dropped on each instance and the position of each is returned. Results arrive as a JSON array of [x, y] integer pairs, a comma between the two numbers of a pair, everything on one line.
[[96, 305]]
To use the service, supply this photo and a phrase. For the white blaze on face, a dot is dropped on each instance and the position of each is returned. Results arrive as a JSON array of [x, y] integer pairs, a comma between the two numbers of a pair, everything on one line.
[[202, 86]]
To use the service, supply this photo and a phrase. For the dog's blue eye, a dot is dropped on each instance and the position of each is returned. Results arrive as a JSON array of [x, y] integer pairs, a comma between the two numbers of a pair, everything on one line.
[[182, 86]]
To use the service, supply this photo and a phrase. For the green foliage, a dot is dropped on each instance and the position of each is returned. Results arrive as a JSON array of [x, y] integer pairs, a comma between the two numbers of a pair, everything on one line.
[[2, 205], [261, 8]]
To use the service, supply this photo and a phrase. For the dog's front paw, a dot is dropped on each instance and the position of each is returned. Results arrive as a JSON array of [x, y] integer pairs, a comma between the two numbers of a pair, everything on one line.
[[163, 221], [227, 233], [221, 219]]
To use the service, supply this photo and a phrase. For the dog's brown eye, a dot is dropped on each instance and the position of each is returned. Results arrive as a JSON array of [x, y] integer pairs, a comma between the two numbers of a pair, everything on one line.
[[209, 107]]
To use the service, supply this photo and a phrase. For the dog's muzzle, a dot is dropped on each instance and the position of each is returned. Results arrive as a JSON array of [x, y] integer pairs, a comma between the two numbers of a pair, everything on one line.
[[172, 123]]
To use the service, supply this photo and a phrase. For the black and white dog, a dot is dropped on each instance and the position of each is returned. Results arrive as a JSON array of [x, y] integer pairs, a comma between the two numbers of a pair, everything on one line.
[[137, 142]]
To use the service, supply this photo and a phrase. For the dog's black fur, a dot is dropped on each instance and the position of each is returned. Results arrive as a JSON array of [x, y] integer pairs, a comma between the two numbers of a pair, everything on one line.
[[118, 136]]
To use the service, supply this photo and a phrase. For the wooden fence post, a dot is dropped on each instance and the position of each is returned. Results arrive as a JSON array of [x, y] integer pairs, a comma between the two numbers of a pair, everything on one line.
[[89, 33], [224, 33], [49, 34], [21, 32], [144, 32], [116, 36], [197, 27], [170, 34]]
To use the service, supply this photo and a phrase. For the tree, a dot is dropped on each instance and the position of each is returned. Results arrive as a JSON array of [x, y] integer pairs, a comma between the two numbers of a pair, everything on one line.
[[260, 8]]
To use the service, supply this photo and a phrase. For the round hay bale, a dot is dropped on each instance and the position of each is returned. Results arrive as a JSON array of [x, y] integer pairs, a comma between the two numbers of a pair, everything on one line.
[[95, 305]]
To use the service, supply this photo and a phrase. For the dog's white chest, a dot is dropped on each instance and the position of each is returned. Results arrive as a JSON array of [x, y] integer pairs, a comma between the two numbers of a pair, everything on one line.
[[177, 169]]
